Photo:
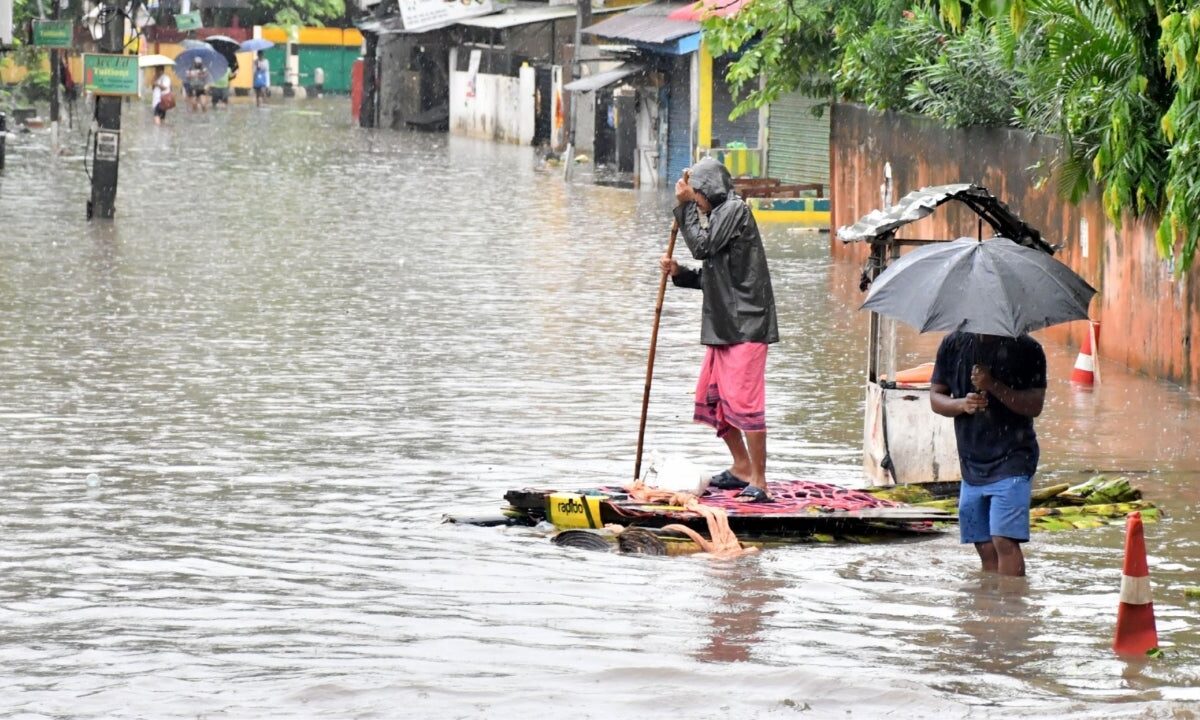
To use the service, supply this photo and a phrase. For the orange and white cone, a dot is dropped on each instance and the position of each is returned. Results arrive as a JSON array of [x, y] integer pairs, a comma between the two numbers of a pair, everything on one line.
[[1136, 634], [1085, 371]]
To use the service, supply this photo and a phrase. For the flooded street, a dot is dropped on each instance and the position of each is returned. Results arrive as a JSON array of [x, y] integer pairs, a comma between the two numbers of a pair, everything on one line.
[[300, 344]]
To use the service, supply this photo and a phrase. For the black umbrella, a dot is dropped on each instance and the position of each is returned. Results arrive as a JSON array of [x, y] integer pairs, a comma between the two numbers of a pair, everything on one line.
[[995, 287], [228, 47]]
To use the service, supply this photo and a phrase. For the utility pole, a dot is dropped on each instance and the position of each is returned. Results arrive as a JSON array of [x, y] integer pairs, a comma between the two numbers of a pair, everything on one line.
[[106, 150], [55, 80], [583, 18], [6, 41], [370, 98]]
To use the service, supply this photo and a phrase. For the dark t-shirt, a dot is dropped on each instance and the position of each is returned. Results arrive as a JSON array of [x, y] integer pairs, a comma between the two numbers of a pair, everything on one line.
[[994, 443]]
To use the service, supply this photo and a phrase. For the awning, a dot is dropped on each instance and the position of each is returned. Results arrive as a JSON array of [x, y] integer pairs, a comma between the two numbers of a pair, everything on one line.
[[513, 17], [649, 24], [394, 25], [604, 79], [707, 8]]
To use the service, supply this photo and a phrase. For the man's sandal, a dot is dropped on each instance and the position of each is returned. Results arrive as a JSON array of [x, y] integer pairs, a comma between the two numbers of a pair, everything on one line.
[[752, 494]]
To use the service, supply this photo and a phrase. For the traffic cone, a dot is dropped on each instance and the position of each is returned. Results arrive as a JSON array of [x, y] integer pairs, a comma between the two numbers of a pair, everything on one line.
[[1085, 370], [1136, 634]]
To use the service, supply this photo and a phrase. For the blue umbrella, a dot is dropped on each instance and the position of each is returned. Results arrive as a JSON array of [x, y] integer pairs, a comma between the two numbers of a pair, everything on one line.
[[257, 44], [213, 61], [189, 43]]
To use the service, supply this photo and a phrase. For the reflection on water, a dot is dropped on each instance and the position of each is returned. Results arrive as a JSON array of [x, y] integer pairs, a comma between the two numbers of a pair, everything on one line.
[[301, 343], [739, 616]]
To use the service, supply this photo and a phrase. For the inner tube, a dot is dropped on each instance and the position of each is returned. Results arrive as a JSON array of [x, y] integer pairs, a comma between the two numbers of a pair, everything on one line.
[[638, 541], [582, 539]]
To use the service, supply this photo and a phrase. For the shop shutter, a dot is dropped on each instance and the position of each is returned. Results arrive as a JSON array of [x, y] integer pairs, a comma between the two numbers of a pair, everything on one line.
[[797, 141], [329, 58], [679, 121], [724, 131], [275, 57]]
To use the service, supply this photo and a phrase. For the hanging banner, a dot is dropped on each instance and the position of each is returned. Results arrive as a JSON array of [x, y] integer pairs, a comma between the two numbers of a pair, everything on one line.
[[473, 71], [427, 14], [110, 74], [188, 21], [53, 33]]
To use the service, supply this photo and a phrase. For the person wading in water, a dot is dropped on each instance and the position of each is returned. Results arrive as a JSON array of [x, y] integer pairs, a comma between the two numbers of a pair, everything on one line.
[[738, 319], [993, 387]]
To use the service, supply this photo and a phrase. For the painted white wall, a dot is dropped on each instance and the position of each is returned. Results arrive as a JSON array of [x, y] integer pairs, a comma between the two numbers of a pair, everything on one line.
[[526, 108], [647, 164], [495, 111], [6, 22]]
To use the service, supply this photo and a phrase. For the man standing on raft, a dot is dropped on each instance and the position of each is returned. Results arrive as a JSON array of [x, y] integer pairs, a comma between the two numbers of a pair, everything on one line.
[[738, 319]]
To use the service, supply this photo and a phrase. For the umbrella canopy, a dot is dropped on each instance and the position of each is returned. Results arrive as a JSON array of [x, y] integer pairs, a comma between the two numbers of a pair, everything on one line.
[[189, 43], [995, 287], [216, 64], [257, 44], [228, 47], [147, 61], [218, 40]]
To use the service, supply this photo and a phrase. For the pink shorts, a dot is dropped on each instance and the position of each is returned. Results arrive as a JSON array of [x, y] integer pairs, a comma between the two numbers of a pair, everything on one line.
[[731, 390]]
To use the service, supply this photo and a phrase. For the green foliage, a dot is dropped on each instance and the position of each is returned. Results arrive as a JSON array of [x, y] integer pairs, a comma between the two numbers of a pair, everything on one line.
[[969, 81], [792, 44], [1089, 88], [879, 65], [299, 12], [1179, 230], [1117, 81]]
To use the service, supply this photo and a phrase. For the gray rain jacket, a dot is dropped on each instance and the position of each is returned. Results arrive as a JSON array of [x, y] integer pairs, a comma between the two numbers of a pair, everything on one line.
[[739, 305]]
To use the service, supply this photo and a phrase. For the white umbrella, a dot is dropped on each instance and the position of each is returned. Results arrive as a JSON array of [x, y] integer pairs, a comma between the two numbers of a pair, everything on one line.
[[147, 61]]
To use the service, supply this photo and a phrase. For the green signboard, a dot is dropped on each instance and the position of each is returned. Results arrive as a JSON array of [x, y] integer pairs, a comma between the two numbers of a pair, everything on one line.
[[188, 21], [52, 33], [111, 74]]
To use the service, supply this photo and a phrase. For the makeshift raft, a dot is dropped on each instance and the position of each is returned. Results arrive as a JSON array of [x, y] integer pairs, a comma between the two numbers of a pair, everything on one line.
[[802, 511]]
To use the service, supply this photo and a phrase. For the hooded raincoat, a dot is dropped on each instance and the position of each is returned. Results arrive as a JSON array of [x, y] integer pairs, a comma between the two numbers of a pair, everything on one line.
[[739, 305]]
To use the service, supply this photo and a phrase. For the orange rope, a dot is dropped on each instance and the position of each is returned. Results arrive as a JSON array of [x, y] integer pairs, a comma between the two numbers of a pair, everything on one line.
[[723, 543]]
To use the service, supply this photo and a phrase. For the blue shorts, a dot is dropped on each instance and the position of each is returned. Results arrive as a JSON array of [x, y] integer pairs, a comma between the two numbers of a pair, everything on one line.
[[999, 509]]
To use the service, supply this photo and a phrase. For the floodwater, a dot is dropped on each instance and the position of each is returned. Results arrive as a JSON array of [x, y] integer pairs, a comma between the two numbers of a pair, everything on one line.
[[300, 344]]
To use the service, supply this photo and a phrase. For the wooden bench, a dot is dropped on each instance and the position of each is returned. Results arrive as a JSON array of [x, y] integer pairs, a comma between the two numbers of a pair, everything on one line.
[[775, 189]]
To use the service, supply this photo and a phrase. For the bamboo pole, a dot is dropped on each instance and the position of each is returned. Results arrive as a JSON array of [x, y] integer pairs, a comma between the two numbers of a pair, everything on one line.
[[662, 291]]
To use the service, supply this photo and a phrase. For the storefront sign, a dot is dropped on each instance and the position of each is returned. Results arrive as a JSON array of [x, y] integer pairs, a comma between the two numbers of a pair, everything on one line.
[[427, 14], [110, 74], [188, 21], [53, 33]]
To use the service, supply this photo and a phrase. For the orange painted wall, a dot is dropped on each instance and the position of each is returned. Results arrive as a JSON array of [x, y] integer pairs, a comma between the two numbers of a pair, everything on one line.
[[1147, 317]]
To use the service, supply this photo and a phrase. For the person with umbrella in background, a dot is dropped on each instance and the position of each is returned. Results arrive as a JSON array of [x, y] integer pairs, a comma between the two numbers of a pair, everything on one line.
[[218, 90], [197, 83], [262, 79], [161, 99]]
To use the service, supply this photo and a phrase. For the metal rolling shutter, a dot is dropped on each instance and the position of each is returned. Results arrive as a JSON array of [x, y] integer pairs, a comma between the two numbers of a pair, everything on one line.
[[679, 121], [724, 130], [797, 142]]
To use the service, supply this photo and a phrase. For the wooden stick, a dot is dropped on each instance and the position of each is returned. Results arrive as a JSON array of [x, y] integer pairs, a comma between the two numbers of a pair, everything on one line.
[[662, 291]]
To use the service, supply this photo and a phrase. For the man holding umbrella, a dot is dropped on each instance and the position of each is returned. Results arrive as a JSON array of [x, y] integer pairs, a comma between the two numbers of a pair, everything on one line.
[[993, 387], [990, 376]]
